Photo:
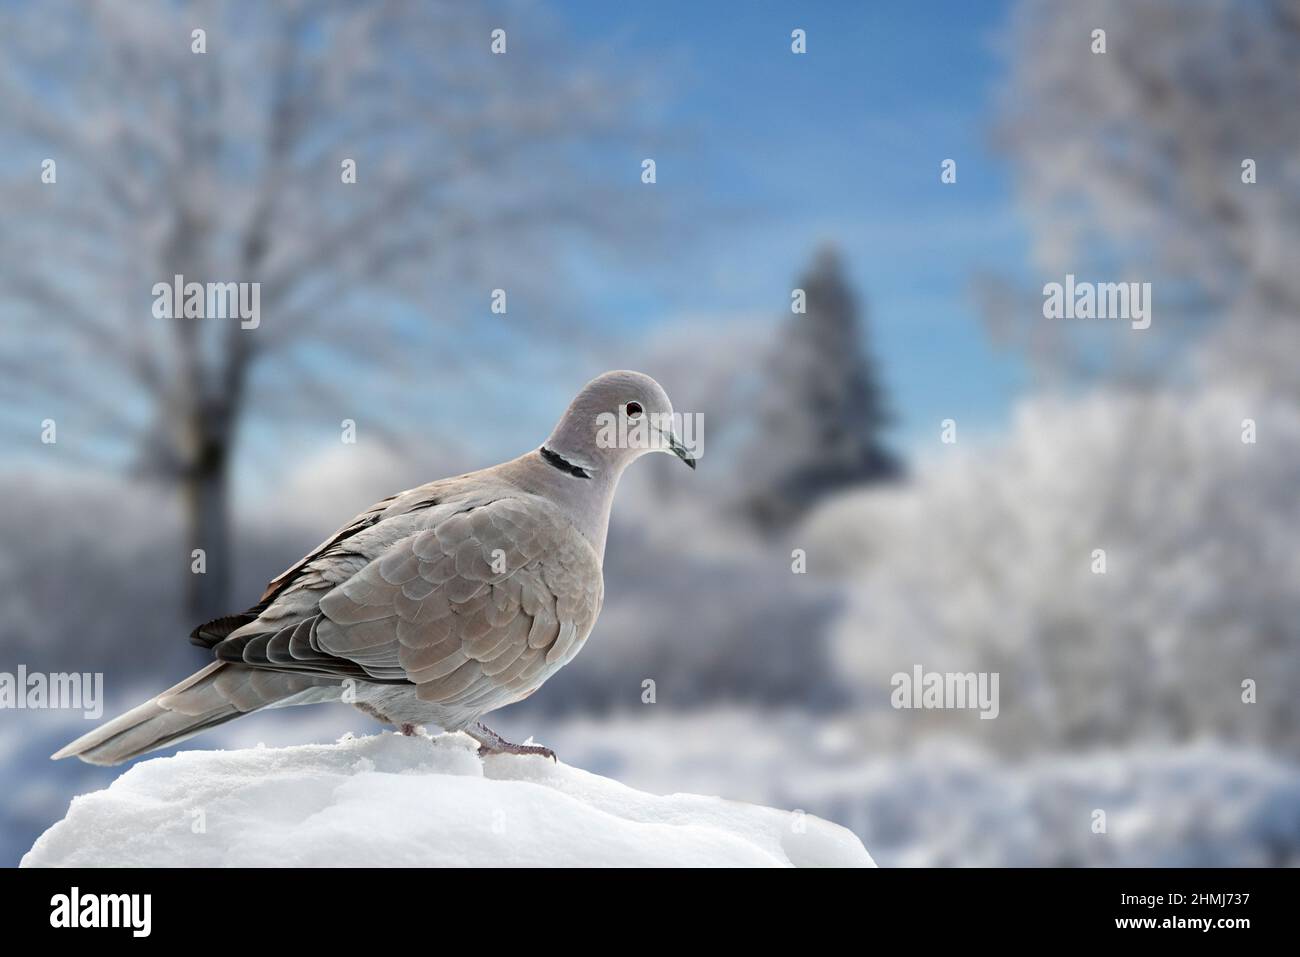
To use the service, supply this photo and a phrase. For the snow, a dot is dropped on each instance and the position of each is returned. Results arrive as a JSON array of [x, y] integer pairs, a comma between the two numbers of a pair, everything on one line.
[[949, 802], [389, 800]]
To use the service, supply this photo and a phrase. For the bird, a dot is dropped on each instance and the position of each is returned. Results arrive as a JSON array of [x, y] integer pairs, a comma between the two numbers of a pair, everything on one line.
[[434, 606]]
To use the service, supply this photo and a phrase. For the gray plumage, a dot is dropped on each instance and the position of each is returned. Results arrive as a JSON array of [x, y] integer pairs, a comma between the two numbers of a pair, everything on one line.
[[433, 607]]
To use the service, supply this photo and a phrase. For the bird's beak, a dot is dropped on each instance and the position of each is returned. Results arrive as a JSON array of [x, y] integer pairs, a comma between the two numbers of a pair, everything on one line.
[[675, 446]]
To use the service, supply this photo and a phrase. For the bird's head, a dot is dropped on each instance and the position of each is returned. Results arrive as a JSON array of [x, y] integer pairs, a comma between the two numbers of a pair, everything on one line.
[[614, 420]]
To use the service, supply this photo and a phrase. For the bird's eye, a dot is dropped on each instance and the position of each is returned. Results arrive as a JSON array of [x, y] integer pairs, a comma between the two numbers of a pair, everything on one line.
[[634, 409]]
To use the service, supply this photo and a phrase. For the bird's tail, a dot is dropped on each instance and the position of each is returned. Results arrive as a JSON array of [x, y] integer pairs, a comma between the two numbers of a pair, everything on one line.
[[207, 698]]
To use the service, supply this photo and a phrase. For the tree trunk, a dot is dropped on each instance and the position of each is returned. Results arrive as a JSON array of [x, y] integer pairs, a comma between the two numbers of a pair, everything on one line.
[[205, 490]]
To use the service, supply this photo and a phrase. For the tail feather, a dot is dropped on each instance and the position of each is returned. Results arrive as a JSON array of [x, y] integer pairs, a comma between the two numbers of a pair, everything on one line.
[[205, 699]]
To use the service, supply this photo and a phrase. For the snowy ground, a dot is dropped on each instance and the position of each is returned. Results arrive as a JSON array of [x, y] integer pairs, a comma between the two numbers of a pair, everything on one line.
[[386, 800], [949, 803], [939, 804]]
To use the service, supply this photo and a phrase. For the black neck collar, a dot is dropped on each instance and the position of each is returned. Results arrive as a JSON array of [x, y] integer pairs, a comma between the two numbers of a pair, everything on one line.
[[564, 465]]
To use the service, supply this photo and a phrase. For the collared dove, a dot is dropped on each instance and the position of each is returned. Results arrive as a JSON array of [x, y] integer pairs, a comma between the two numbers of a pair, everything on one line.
[[431, 607]]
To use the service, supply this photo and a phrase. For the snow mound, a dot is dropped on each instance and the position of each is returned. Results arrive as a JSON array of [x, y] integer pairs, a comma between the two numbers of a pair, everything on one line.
[[389, 800]]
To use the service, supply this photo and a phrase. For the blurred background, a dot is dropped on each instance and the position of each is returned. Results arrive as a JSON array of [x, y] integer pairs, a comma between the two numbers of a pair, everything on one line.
[[824, 431]]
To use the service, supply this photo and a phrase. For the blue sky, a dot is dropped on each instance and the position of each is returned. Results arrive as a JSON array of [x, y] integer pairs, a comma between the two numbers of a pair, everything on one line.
[[842, 144]]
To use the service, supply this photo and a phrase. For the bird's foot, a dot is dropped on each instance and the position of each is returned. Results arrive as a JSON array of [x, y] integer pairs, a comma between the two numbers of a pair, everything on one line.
[[505, 747], [489, 742], [408, 729]]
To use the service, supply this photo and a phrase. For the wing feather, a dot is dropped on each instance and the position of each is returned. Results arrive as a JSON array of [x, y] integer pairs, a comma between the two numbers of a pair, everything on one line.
[[476, 604]]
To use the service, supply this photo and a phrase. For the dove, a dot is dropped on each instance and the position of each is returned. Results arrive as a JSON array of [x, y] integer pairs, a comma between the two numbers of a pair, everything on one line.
[[433, 607]]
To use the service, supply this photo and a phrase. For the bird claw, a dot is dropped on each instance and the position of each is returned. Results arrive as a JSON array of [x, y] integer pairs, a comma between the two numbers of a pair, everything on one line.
[[505, 747], [489, 742]]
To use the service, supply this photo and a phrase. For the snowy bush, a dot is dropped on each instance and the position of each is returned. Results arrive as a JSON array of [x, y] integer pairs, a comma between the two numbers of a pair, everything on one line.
[[988, 562]]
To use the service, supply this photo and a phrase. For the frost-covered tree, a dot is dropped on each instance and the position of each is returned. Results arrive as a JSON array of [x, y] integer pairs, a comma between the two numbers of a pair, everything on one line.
[[1170, 157], [349, 157], [821, 412]]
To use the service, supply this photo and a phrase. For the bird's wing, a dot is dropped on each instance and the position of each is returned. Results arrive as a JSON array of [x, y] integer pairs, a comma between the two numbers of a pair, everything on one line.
[[329, 558], [476, 607]]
